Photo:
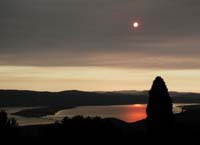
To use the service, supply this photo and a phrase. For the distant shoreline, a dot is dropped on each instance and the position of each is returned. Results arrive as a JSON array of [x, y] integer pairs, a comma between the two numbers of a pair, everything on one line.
[[40, 112]]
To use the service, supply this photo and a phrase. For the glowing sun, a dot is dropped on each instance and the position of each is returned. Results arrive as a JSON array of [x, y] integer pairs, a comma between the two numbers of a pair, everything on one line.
[[136, 24]]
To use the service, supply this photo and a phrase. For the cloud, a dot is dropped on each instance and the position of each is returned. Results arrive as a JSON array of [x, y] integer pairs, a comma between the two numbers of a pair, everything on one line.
[[97, 33]]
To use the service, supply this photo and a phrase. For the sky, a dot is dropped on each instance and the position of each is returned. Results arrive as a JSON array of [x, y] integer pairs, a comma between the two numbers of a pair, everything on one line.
[[90, 44]]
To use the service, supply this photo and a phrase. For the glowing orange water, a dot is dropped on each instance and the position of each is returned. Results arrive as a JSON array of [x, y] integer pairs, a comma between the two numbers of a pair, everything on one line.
[[134, 113], [128, 113]]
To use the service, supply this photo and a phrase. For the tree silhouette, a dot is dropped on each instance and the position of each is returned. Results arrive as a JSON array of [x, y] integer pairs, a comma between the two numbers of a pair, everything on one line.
[[160, 116], [5, 122], [8, 126]]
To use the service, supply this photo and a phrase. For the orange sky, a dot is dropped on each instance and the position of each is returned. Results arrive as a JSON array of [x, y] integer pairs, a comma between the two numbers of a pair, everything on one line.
[[94, 78]]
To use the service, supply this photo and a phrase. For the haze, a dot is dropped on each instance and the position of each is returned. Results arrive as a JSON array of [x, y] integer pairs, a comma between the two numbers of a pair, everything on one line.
[[89, 45]]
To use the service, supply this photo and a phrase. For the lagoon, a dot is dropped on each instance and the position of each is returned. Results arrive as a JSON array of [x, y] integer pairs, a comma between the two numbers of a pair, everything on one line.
[[127, 113]]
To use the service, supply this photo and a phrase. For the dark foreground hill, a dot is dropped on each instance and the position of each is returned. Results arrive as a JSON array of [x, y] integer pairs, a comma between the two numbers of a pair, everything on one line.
[[101, 131]]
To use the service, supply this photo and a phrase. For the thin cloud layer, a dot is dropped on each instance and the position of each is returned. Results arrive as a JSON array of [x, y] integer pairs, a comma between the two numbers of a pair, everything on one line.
[[98, 33]]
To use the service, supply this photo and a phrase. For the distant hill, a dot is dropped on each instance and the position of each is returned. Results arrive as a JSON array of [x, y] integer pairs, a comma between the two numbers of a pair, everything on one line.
[[14, 98]]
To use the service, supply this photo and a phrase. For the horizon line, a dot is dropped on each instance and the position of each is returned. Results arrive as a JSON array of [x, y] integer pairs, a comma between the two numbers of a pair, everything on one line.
[[92, 91]]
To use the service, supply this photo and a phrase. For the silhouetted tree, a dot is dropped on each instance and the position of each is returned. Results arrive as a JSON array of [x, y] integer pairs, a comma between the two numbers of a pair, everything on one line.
[[93, 127], [160, 116], [8, 126], [6, 122]]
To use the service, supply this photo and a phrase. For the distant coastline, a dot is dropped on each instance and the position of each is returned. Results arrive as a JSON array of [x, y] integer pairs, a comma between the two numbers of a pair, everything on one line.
[[40, 112]]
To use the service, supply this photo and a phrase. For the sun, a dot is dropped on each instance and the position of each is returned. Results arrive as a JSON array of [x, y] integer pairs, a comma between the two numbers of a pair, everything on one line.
[[136, 24]]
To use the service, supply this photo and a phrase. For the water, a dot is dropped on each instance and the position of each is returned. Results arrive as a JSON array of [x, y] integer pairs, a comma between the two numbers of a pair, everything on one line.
[[127, 113]]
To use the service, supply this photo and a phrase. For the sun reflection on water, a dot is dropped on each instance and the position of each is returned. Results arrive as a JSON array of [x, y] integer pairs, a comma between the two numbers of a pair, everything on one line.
[[134, 112]]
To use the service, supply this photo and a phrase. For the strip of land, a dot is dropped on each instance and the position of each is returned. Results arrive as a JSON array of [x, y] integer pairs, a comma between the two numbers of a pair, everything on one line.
[[40, 112]]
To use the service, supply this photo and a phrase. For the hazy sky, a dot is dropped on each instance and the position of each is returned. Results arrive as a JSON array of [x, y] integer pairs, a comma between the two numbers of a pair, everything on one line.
[[90, 35]]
